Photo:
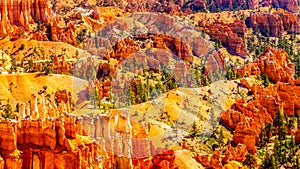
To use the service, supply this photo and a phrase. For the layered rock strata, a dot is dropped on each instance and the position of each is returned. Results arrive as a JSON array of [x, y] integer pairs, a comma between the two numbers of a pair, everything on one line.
[[247, 118], [187, 7], [46, 135], [18, 14], [229, 35], [274, 24]]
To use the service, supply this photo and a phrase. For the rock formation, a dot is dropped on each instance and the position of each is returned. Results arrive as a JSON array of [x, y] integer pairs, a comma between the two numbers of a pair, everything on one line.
[[46, 135], [187, 7], [34, 19], [274, 24], [210, 161], [216, 160], [18, 15], [247, 118], [230, 35], [290, 5], [274, 63], [58, 66], [46, 140]]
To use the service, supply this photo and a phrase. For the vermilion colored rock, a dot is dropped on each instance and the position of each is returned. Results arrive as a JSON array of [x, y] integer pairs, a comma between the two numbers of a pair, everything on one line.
[[291, 5], [210, 161], [237, 153], [247, 118], [17, 15], [230, 35], [274, 24], [177, 7], [274, 63]]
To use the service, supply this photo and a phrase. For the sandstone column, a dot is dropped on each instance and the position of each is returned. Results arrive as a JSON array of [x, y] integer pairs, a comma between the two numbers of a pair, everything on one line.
[[34, 107], [22, 111]]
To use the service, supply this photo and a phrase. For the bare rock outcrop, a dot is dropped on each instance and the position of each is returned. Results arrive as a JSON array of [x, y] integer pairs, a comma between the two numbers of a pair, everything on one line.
[[187, 7], [290, 5], [210, 161], [274, 24], [46, 136], [18, 15], [247, 118], [274, 63], [237, 153], [230, 35]]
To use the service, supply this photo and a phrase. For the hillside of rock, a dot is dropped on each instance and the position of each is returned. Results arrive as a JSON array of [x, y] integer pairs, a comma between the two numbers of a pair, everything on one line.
[[274, 63], [45, 135], [274, 24], [230, 35], [200, 5], [18, 15], [247, 117]]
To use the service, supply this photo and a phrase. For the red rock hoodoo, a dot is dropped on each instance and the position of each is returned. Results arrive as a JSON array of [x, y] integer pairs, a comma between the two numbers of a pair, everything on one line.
[[247, 118], [274, 24]]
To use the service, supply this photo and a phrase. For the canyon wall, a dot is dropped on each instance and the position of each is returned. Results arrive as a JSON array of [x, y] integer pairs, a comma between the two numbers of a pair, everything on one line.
[[247, 117], [46, 135], [19, 14], [274, 24], [180, 6], [230, 35], [34, 19], [273, 62]]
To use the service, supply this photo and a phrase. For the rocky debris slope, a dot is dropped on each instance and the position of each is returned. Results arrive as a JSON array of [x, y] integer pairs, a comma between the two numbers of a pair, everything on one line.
[[274, 24], [247, 118]]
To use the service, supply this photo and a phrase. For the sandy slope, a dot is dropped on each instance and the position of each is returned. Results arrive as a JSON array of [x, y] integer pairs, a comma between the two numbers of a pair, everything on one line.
[[40, 50], [23, 85], [184, 160]]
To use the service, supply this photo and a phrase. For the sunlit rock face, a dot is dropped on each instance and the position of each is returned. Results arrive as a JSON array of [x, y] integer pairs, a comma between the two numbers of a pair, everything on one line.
[[273, 62], [186, 7], [19, 14], [34, 19], [47, 136], [274, 24], [247, 118], [221, 31]]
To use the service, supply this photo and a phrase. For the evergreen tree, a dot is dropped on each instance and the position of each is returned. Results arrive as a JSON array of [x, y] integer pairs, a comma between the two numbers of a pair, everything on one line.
[[7, 110], [194, 129], [131, 95], [266, 80], [250, 161]]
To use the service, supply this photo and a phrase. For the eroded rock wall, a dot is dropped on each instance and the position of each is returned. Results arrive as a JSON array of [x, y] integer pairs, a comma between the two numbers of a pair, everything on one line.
[[274, 24], [247, 118], [19, 14]]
